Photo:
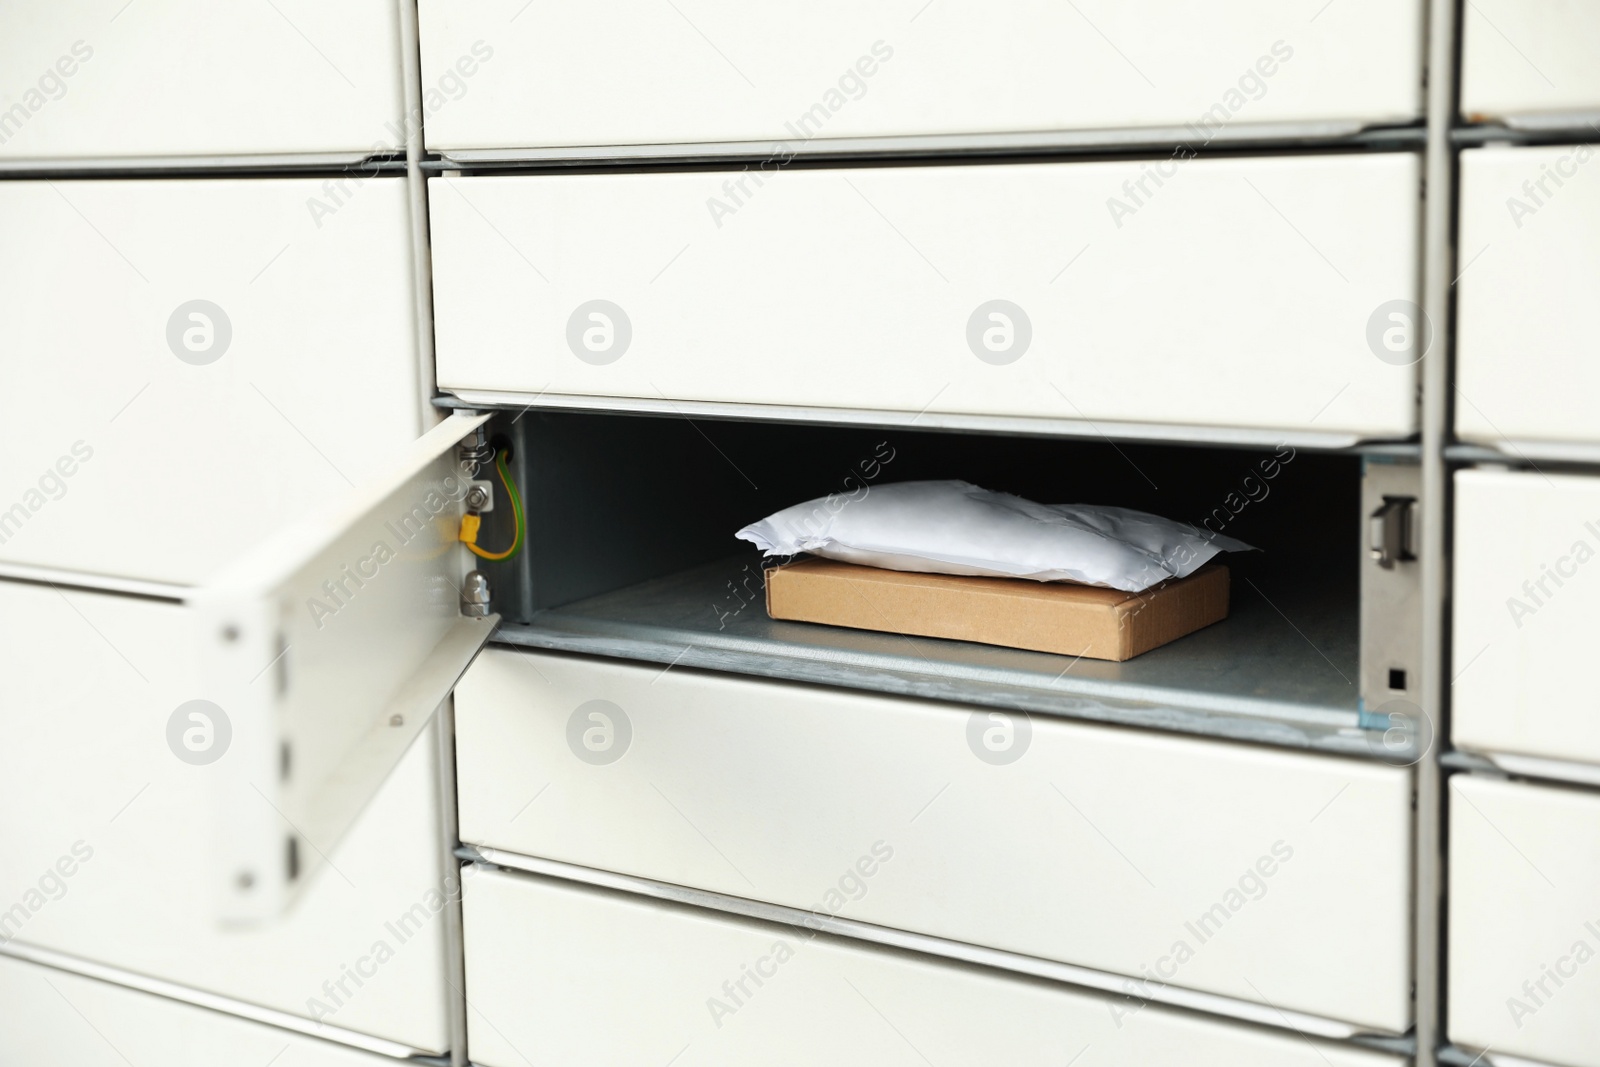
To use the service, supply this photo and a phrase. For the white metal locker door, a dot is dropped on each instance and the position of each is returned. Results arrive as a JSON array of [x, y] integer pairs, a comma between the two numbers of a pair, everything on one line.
[[1006, 290], [106, 79], [1527, 352], [1530, 65], [572, 975], [1098, 847], [629, 72], [195, 364], [1524, 921], [1527, 613]]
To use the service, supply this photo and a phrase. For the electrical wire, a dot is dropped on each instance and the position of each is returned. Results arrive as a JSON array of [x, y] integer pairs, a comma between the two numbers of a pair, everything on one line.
[[516, 511]]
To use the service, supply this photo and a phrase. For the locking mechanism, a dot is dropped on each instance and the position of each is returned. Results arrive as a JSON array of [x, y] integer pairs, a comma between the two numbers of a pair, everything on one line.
[[1391, 608], [1391, 531]]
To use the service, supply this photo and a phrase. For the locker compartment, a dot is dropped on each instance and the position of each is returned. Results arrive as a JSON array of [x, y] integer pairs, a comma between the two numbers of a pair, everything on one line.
[[1530, 65], [715, 71], [110, 830], [578, 976], [1108, 847], [57, 1019], [1524, 921], [631, 552], [1527, 612], [196, 364], [1045, 291], [103, 80], [1527, 355]]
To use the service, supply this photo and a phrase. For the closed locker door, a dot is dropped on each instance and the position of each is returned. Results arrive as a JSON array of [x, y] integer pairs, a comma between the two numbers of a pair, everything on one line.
[[1527, 611], [107, 80], [1527, 354], [1124, 851], [1524, 921], [573, 975], [1530, 65], [196, 364], [1239, 295], [633, 73]]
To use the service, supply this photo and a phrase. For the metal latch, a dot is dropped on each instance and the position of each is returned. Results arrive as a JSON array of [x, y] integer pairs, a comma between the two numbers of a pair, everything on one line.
[[1391, 533]]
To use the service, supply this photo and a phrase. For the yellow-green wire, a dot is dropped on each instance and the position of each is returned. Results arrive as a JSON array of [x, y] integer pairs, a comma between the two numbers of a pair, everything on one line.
[[516, 511]]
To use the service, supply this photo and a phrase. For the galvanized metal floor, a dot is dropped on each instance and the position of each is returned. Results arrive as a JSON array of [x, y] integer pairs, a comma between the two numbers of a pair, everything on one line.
[[1280, 670]]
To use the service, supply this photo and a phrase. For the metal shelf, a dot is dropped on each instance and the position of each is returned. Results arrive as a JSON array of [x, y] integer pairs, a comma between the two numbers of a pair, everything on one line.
[[1279, 673]]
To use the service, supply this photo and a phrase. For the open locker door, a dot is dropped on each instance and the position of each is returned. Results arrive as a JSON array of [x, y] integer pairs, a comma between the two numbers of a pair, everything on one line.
[[329, 649]]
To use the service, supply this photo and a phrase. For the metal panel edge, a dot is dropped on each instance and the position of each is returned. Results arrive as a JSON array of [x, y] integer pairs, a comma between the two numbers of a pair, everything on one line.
[[1330, 732], [1332, 132], [1438, 263], [1021, 425], [200, 998]]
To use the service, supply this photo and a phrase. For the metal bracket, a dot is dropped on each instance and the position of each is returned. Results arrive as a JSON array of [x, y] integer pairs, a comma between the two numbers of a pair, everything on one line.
[[1391, 597]]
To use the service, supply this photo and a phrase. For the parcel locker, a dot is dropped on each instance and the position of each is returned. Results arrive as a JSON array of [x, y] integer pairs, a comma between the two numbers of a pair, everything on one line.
[[1528, 357], [642, 78], [1108, 847], [574, 975], [204, 363], [935, 291], [104, 82], [1526, 614], [1530, 65], [1524, 921]]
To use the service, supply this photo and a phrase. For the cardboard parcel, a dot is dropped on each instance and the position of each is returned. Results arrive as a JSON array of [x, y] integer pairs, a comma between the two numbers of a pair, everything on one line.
[[1066, 618]]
